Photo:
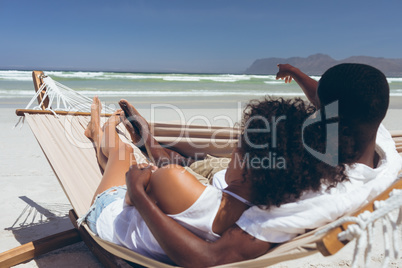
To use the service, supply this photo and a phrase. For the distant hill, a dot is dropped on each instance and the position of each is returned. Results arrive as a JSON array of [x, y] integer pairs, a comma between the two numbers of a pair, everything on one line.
[[317, 64]]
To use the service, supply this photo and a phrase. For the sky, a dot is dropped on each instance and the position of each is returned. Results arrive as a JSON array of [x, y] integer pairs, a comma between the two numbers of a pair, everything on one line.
[[207, 36]]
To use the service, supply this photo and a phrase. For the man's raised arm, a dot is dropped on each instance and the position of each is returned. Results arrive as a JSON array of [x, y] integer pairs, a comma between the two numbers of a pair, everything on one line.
[[308, 85], [182, 246]]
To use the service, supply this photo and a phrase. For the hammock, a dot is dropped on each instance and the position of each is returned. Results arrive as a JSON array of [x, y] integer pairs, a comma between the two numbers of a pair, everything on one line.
[[73, 159]]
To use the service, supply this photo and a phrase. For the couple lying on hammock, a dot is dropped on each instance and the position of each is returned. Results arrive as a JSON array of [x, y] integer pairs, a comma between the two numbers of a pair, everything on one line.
[[166, 214]]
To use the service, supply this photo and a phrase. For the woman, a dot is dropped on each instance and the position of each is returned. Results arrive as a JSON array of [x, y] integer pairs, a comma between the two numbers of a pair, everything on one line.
[[270, 166]]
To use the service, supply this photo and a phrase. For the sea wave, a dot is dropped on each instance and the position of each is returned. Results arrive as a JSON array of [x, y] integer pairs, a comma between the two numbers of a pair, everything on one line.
[[6, 94], [274, 82], [315, 77], [18, 84], [13, 75], [394, 80], [116, 93], [270, 77], [77, 75]]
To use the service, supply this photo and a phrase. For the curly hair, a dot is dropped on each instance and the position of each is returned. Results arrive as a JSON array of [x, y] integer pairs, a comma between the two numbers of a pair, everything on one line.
[[274, 156]]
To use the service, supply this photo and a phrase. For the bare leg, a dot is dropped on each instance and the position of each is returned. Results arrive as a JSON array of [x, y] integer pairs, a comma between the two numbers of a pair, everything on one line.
[[94, 131], [141, 135], [119, 156], [114, 156]]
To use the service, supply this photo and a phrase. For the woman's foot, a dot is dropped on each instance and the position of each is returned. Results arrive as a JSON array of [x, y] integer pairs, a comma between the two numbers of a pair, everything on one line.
[[111, 140], [93, 130], [114, 119]]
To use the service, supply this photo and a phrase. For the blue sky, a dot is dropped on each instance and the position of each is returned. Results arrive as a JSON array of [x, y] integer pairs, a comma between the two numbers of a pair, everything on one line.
[[191, 36]]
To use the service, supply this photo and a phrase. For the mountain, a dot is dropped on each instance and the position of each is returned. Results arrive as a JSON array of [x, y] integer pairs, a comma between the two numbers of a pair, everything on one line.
[[317, 64]]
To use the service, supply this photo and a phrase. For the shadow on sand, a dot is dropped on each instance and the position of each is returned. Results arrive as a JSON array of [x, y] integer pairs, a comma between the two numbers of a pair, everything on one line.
[[37, 221]]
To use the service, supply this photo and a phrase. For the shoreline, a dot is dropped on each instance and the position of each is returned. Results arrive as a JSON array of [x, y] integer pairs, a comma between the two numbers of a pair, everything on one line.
[[199, 102]]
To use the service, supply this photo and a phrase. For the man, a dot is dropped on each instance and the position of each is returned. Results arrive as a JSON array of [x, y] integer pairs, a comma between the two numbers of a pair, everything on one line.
[[362, 93]]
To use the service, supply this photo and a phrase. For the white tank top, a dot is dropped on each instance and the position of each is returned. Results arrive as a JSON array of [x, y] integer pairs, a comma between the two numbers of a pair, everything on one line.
[[123, 225]]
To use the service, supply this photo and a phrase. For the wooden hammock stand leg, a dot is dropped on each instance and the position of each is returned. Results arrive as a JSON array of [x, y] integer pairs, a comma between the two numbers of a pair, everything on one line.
[[36, 248], [50, 243]]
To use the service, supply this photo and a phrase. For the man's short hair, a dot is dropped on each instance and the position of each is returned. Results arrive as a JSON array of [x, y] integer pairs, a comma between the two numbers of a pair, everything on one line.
[[363, 95]]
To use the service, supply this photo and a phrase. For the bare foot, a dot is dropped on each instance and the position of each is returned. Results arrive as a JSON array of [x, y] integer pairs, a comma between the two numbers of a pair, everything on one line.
[[136, 125], [114, 119], [93, 130]]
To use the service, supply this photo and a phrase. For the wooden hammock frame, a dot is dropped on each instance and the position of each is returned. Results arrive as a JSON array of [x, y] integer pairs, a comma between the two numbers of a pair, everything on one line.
[[328, 244]]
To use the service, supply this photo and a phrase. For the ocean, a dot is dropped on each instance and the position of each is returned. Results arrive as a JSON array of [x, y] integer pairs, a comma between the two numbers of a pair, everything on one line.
[[180, 89]]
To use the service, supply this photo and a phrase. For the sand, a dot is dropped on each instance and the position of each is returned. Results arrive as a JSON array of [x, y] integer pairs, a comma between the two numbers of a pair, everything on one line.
[[33, 205]]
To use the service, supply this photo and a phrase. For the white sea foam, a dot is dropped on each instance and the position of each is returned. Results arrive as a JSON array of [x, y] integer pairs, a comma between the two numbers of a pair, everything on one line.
[[156, 93], [8, 94], [26, 76], [168, 84], [169, 93], [17, 93], [132, 76], [139, 76], [274, 82], [5, 94], [182, 79], [79, 75], [12, 75], [185, 93], [271, 77], [315, 77], [215, 78], [394, 80]]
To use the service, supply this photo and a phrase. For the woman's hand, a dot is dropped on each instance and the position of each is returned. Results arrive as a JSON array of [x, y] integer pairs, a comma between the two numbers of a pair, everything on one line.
[[137, 180]]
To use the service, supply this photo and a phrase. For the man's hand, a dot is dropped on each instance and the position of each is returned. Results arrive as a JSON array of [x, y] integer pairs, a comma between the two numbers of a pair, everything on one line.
[[285, 72], [288, 72], [137, 179]]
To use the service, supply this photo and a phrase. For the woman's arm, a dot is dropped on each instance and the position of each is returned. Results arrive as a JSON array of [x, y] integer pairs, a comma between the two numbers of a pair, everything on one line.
[[182, 246], [308, 85]]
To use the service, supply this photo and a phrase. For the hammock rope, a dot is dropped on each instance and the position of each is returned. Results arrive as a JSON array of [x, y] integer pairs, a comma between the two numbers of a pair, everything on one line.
[[63, 98], [363, 227]]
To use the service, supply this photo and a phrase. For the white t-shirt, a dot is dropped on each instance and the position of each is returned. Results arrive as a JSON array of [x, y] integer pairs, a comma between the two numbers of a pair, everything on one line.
[[123, 225], [314, 209]]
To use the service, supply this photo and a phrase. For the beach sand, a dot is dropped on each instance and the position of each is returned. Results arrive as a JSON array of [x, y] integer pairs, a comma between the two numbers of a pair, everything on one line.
[[33, 205]]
